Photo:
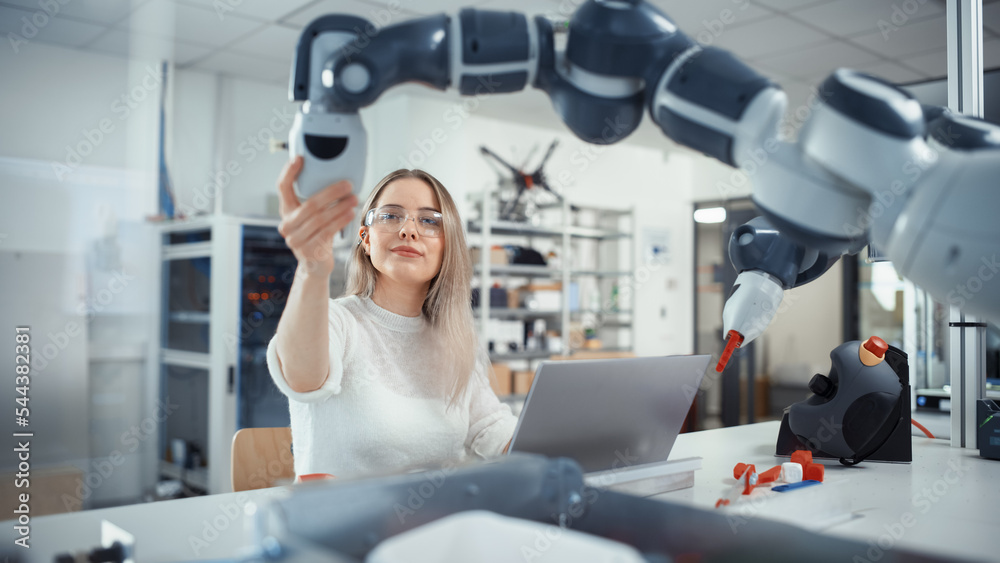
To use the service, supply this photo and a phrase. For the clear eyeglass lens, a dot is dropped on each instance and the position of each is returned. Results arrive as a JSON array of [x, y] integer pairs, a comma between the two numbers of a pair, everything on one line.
[[391, 218]]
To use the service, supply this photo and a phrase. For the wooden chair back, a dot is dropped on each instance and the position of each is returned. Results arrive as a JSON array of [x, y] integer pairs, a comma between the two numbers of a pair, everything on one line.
[[262, 457]]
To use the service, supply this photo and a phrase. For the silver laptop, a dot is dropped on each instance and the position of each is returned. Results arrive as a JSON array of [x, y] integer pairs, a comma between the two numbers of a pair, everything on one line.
[[608, 414]]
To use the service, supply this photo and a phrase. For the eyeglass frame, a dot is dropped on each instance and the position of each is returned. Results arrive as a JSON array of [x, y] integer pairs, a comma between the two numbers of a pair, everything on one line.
[[370, 220]]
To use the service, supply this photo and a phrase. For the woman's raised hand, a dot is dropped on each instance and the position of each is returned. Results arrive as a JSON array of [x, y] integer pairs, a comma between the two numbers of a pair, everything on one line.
[[309, 226]]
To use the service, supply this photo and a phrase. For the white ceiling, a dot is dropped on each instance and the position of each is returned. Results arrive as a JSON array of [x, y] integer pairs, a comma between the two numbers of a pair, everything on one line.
[[796, 42]]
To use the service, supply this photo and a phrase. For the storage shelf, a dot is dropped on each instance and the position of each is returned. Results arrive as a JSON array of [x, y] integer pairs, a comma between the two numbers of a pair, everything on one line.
[[524, 229], [600, 312], [603, 260], [601, 273], [523, 270], [504, 312], [189, 316], [188, 250], [186, 359], [941, 393], [533, 355], [192, 477]]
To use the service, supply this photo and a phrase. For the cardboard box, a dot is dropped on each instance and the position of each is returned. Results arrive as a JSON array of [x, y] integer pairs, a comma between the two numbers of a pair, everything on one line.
[[543, 300], [554, 286], [502, 385], [498, 255], [513, 299], [522, 381]]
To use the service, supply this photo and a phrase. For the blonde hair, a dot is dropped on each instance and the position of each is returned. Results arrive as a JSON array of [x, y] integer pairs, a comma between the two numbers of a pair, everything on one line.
[[448, 306]]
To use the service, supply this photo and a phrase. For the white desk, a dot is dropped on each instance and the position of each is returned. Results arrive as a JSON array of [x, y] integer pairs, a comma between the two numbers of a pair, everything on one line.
[[952, 514]]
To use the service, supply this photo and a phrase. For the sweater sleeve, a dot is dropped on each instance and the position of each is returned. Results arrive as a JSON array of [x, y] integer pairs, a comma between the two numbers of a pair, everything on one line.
[[491, 423], [338, 339]]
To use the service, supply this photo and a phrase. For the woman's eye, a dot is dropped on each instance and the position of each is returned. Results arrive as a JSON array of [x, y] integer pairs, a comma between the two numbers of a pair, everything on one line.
[[430, 221], [389, 216]]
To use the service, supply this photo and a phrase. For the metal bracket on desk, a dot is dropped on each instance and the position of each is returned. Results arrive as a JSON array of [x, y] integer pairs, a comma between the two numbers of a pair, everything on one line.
[[648, 479]]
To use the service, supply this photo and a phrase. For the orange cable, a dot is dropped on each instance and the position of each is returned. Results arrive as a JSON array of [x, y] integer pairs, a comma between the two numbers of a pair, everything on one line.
[[921, 426]]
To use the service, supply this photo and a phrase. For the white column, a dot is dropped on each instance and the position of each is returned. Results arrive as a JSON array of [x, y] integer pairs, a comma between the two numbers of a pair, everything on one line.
[[967, 340]]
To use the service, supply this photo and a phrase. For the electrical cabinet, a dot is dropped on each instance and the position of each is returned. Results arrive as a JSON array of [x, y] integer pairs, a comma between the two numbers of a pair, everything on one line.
[[224, 284]]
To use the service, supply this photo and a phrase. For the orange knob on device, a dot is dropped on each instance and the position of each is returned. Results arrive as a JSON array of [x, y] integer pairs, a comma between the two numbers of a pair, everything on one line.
[[872, 351]]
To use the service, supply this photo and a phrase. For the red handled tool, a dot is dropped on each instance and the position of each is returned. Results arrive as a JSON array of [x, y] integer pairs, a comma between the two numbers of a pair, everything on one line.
[[733, 341]]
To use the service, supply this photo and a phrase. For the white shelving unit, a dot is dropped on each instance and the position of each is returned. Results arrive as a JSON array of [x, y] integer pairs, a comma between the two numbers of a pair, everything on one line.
[[594, 256], [196, 360]]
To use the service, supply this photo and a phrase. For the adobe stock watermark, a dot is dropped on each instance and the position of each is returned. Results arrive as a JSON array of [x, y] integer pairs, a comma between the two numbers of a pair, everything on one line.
[[743, 512], [92, 138], [249, 148], [433, 481], [103, 468], [922, 503], [382, 16], [758, 156], [899, 16], [610, 307], [454, 116], [968, 290], [264, 309], [33, 24], [59, 340], [713, 28]]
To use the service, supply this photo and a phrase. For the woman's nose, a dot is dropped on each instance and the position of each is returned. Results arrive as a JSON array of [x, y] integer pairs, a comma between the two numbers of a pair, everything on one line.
[[407, 229]]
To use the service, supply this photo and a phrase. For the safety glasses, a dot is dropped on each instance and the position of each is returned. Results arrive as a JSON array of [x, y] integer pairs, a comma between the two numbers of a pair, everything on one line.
[[391, 218]]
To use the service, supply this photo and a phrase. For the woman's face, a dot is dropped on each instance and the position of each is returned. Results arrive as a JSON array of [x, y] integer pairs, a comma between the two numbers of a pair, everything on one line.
[[406, 255]]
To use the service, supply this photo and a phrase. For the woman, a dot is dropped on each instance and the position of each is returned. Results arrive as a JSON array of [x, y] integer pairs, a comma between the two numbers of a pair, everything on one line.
[[390, 376]]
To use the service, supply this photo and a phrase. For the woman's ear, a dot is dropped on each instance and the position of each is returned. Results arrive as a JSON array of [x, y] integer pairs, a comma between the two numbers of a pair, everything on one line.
[[363, 232]]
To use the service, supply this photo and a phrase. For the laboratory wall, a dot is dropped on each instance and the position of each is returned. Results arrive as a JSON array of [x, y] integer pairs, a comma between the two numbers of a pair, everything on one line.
[[76, 180]]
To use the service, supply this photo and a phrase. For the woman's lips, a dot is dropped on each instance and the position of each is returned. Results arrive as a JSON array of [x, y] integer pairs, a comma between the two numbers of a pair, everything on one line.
[[408, 252]]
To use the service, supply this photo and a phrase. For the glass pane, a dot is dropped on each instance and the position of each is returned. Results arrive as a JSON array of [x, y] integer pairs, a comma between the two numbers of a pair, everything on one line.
[[183, 447], [187, 298]]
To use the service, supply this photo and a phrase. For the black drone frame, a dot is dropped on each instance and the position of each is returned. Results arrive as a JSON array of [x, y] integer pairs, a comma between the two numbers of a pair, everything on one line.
[[523, 181]]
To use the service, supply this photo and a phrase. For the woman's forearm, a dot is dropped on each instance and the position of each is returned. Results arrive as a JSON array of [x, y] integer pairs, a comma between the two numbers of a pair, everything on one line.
[[302, 337]]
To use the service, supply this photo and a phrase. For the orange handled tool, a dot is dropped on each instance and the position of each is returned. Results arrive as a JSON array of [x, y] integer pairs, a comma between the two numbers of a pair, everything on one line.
[[733, 341]]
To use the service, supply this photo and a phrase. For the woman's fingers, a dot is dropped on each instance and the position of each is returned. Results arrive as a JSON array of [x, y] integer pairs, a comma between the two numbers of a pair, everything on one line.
[[287, 200], [330, 194], [304, 227]]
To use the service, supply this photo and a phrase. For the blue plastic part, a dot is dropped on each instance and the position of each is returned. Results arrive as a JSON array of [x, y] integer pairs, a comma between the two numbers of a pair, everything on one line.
[[793, 486]]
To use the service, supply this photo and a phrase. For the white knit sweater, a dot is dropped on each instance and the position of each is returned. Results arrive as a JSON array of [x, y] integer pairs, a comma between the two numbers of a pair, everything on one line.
[[384, 407]]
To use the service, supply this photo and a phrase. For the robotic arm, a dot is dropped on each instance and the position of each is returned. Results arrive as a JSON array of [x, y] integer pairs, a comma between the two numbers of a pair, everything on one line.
[[870, 163], [619, 59]]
